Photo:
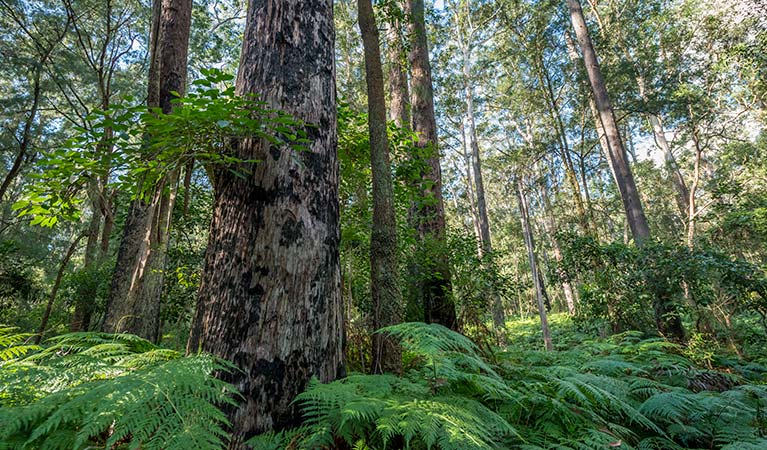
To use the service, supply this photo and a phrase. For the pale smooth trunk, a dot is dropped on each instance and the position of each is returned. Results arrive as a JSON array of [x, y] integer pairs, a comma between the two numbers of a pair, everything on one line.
[[632, 205], [530, 245]]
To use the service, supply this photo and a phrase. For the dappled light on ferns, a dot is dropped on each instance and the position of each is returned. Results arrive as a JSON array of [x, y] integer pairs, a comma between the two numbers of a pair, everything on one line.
[[624, 392], [109, 391], [86, 389]]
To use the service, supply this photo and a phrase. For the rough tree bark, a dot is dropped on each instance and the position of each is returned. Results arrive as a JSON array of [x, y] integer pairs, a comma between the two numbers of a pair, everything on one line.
[[134, 301], [384, 273], [270, 292], [434, 290]]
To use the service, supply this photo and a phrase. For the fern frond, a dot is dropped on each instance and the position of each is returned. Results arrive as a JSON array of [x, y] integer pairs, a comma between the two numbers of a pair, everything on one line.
[[13, 344], [429, 339], [672, 406], [96, 388]]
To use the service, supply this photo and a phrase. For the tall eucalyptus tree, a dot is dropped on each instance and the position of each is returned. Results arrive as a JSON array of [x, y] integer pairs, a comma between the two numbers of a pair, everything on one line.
[[270, 293]]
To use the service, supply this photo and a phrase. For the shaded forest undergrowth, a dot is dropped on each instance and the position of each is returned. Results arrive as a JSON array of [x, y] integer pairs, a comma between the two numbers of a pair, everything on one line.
[[625, 392]]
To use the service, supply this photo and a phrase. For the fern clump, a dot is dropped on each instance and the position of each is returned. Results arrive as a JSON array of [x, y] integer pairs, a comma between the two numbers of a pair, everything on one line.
[[623, 392], [94, 388], [445, 402]]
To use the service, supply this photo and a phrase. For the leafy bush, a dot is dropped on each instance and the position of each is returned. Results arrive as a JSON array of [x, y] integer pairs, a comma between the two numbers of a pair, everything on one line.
[[20, 287], [620, 283]]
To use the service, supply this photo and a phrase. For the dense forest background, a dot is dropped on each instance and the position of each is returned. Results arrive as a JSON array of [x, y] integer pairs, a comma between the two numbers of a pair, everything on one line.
[[555, 214]]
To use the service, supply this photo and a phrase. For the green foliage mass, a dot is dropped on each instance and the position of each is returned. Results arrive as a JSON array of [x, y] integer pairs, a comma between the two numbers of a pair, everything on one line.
[[82, 390], [620, 281], [138, 146], [95, 390], [623, 392]]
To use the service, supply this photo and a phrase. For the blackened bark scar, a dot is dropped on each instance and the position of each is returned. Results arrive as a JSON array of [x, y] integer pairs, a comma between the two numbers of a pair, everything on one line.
[[292, 232], [275, 152]]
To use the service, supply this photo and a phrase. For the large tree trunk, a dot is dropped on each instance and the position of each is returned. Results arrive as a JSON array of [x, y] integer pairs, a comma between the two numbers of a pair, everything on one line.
[[384, 272], [530, 245], [270, 293], [134, 302], [632, 204], [434, 290]]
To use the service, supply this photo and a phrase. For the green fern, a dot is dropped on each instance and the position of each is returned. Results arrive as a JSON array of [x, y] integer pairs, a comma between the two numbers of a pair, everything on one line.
[[13, 344], [620, 393], [379, 410], [95, 388]]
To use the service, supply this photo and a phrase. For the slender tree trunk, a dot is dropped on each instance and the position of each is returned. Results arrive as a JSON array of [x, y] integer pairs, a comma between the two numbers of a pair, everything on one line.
[[550, 227], [435, 289], [625, 179], [109, 221], [55, 289], [692, 212], [667, 318], [603, 144], [483, 223], [270, 292], [134, 301], [564, 148], [39, 63], [97, 187], [656, 124], [384, 276], [586, 190], [677, 180], [470, 187], [26, 136], [83, 312], [530, 244]]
